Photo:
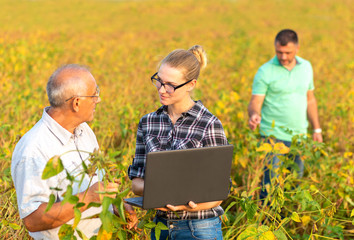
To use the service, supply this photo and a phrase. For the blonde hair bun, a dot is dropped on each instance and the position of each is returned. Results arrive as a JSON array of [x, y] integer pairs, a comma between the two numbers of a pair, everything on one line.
[[200, 54]]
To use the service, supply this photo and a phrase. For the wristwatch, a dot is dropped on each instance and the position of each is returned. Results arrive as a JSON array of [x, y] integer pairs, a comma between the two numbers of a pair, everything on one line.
[[317, 130]]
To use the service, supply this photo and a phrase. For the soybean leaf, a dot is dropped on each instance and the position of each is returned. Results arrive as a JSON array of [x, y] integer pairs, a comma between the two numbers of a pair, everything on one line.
[[77, 217], [66, 232], [150, 225], [103, 234], [122, 235], [50, 203], [80, 204], [230, 206], [106, 216], [94, 204], [280, 235], [162, 226], [295, 217], [253, 233], [53, 167], [251, 210], [68, 194], [14, 226], [81, 235]]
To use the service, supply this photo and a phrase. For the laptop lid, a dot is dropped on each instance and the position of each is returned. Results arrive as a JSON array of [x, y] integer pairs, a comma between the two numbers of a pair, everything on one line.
[[179, 176]]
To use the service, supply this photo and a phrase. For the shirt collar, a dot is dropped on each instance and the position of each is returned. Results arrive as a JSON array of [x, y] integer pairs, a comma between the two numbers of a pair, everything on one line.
[[275, 60], [61, 133], [192, 112]]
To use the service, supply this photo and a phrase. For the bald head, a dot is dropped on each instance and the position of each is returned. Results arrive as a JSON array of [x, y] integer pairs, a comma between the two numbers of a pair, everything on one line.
[[67, 81]]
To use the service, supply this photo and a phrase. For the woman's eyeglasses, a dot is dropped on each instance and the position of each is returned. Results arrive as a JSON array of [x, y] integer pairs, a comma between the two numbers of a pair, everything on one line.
[[168, 87]]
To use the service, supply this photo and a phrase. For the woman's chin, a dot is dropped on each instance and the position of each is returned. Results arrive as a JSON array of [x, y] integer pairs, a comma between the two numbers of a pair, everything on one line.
[[163, 101]]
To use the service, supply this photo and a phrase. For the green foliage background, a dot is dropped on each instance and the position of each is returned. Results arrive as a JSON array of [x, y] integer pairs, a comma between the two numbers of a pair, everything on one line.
[[123, 41]]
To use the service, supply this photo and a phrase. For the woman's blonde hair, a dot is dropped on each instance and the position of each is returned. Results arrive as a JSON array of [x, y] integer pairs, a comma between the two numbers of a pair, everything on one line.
[[190, 61]]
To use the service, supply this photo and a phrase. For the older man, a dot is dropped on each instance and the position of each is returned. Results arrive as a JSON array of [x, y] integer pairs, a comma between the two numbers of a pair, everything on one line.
[[73, 95], [283, 98]]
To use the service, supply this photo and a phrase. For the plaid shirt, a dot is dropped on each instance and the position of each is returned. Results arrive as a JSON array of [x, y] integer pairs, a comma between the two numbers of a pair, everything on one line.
[[196, 128]]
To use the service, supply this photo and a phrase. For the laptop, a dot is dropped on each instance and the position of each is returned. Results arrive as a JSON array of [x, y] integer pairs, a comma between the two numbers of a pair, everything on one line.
[[179, 176]]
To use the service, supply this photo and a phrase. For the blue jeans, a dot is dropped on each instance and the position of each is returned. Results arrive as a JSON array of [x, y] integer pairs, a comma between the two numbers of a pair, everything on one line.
[[274, 161], [203, 229]]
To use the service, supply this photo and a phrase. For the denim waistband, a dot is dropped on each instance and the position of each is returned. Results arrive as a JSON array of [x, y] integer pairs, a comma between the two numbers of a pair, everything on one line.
[[192, 224]]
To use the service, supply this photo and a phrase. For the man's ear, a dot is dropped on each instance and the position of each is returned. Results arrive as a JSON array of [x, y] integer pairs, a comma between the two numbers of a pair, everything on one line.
[[191, 85], [76, 104]]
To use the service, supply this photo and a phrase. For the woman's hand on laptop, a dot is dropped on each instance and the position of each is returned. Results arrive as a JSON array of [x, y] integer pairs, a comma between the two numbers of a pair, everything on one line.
[[192, 206]]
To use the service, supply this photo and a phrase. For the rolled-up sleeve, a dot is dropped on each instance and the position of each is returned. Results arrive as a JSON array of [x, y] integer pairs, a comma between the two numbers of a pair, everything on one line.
[[137, 168], [31, 190]]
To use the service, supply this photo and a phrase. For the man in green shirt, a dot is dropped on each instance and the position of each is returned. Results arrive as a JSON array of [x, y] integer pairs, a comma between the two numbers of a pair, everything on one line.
[[283, 98]]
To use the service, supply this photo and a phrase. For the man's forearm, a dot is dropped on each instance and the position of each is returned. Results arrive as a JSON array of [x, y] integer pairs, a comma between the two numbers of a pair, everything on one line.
[[255, 105], [253, 108], [58, 214], [138, 186], [312, 114]]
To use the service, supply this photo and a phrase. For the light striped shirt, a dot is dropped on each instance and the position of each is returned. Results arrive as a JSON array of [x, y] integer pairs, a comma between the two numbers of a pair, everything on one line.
[[45, 140]]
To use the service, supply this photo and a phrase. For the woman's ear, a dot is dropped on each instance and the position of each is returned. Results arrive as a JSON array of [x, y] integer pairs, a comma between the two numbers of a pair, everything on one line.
[[191, 85]]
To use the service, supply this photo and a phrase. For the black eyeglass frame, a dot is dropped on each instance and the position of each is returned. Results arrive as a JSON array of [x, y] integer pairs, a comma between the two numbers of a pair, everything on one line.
[[92, 96], [153, 77]]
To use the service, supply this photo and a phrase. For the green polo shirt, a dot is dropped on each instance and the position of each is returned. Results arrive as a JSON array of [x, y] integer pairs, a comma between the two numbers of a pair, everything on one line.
[[285, 100]]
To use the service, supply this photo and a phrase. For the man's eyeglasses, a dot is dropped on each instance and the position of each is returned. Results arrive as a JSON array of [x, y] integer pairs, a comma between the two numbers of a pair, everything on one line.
[[168, 87], [97, 94]]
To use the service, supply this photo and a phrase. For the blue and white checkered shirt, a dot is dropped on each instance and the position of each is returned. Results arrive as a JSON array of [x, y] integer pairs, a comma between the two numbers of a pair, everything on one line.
[[194, 129]]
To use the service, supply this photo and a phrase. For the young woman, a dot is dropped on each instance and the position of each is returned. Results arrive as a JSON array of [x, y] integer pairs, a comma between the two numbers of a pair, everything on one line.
[[179, 124]]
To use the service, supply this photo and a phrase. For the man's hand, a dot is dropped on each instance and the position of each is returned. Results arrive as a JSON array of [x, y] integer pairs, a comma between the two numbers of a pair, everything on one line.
[[130, 216], [254, 121], [254, 111], [317, 137], [94, 195]]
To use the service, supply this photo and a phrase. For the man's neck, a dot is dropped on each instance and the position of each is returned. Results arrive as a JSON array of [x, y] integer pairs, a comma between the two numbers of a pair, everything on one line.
[[291, 65], [62, 118]]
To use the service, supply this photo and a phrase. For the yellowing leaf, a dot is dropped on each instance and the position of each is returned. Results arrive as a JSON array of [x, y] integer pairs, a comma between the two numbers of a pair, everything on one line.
[[234, 96], [269, 235], [295, 217], [243, 161], [305, 220], [77, 218], [240, 115], [14, 226], [313, 178], [281, 148], [254, 233], [53, 167], [324, 153], [265, 147], [104, 235]]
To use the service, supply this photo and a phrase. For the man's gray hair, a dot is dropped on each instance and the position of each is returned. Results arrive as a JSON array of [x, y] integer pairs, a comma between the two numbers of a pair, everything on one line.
[[58, 90]]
